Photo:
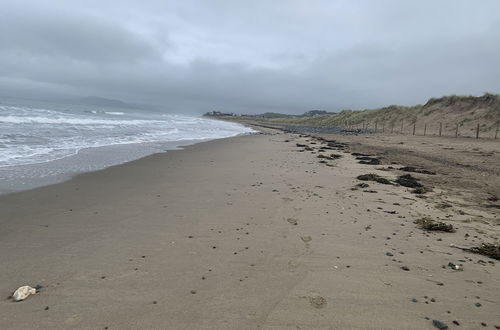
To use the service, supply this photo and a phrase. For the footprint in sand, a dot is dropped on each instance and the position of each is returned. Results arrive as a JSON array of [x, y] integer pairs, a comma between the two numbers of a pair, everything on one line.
[[317, 301], [306, 239]]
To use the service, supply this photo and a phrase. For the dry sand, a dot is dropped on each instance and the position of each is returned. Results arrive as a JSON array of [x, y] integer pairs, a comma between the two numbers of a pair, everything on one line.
[[250, 232]]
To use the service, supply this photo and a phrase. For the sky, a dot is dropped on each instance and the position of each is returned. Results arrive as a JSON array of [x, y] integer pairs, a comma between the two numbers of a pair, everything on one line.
[[250, 56]]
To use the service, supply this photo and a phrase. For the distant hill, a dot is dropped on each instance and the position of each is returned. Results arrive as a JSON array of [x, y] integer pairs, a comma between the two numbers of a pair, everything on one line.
[[105, 102]]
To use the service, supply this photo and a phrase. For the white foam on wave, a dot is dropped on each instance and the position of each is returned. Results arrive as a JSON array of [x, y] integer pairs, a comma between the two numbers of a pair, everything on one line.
[[71, 121], [30, 136]]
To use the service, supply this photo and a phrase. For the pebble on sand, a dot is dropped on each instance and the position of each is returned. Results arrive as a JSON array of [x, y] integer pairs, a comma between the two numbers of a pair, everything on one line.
[[440, 325]]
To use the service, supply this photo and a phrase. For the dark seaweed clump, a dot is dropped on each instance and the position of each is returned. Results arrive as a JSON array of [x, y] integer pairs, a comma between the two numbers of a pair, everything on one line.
[[409, 181], [416, 170], [489, 250], [368, 160], [421, 190], [431, 225], [373, 177]]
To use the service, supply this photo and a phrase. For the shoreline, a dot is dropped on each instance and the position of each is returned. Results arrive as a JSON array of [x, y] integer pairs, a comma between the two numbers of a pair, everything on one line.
[[242, 233], [65, 168]]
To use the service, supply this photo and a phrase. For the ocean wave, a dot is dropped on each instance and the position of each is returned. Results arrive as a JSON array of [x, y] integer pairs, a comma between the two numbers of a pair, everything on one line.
[[72, 121], [30, 136]]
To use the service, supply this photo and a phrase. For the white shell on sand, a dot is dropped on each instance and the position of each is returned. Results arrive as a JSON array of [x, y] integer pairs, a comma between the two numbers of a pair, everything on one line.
[[23, 293]]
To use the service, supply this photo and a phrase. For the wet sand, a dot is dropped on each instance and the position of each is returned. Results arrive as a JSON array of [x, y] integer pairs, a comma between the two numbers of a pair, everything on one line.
[[251, 232]]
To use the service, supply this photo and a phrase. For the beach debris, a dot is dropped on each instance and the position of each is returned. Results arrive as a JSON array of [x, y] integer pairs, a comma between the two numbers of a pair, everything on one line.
[[331, 157], [421, 190], [489, 250], [23, 292], [427, 223], [416, 170], [407, 180], [443, 205], [317, 301], [455, 267], [368, 160], [439, 324], [373, 177]]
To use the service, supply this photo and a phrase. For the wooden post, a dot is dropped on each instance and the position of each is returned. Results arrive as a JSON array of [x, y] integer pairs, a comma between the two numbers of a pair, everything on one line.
[[425, 128], [477, 131], [414, 126], [402, 126], [383, 127], [440, 128], [496, 132], [456, 131]]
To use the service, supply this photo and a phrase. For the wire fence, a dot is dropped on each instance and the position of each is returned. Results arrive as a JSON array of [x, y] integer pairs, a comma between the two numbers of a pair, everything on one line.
[[426, 129]]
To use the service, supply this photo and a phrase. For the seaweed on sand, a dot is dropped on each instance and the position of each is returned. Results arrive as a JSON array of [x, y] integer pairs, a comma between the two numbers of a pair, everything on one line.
[[373, 177], [431, 225], [409, 181], [489, 250]]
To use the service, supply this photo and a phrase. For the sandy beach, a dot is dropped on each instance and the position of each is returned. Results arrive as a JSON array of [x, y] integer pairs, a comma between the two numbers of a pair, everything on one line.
[[256, 232]]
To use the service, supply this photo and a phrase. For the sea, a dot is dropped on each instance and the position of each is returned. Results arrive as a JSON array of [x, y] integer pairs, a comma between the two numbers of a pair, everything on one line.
[[45, 142]]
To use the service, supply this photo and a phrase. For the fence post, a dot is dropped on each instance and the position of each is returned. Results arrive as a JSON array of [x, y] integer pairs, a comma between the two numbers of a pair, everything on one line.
[[402, 126], [440, 128], [496, 132], [414, 125], [383, 127], [425, 128], [477, 131], [456, 132], [376, 124]]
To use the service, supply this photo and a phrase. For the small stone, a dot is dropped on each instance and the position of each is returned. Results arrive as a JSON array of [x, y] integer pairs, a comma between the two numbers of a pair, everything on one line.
[[46, 308], [414, 300], [478, 304], [455, 322], [405, 268], [439, 324], [389, 254], [193, 291]]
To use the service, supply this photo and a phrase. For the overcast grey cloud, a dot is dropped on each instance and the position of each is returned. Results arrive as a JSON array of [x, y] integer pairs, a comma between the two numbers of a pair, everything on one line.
[[250, 56]]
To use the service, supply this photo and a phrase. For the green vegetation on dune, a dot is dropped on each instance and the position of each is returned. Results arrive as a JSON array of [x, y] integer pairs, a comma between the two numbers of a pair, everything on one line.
[[448, 111]]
